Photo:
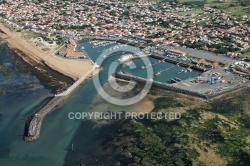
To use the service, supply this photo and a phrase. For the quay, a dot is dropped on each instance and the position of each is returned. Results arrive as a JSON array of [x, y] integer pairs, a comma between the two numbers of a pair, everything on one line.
[[126, 76], [171, 87]]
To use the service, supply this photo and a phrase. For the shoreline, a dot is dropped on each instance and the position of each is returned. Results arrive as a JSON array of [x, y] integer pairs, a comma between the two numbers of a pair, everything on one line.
[[49, 77], [63, 75], [73, 68]]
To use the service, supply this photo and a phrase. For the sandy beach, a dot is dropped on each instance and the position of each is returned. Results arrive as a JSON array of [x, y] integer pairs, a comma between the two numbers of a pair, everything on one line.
[[73, 68], [145, 105]]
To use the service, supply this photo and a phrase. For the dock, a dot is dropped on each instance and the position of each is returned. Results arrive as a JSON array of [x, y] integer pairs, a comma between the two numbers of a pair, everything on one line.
[[150, 65]]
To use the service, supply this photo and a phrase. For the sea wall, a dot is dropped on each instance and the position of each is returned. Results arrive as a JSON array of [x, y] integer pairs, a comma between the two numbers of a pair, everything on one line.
[[171, 87]]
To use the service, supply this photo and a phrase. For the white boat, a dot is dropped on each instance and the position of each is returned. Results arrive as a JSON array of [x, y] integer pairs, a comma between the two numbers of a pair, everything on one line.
[[125, 58], [157, 73], [181, 71], [128, 63], [143, 67]]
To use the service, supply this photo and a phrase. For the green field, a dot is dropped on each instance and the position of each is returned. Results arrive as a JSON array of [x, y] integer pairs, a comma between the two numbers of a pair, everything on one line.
[[233, 7], [189, 1], [190, 12], [246, 52]]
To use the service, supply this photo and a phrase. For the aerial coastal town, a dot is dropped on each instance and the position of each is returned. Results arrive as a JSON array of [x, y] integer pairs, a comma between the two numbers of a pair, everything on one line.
[[187, 57], [199, 37], [203, 28], [196, 38]]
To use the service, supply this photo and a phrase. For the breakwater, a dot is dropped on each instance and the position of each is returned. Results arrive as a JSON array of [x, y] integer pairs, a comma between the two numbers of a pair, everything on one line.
[[34, 121], [171, 87]]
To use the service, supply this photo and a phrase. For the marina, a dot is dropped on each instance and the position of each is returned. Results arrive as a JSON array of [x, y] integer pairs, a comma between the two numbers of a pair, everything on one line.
[[170, 71], [56, 120], [160, 64]]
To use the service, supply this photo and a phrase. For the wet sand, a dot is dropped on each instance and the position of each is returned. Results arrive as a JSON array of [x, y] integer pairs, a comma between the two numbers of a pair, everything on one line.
[[100, 105], [146, 105]]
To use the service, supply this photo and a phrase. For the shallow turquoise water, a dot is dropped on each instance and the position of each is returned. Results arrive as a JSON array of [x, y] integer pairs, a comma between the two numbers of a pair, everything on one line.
[[58, 132]]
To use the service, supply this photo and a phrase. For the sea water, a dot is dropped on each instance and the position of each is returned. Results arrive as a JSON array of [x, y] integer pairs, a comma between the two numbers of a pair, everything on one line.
[[24, 92]]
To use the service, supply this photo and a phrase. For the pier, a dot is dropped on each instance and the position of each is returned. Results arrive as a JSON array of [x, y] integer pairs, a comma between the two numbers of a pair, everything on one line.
[[76, 84], [180, 63], [150, 65], [165, 86], [159, 72]]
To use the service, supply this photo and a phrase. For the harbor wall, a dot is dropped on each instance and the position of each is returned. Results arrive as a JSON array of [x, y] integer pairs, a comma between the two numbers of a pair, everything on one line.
[[170, 87], [34, 121]]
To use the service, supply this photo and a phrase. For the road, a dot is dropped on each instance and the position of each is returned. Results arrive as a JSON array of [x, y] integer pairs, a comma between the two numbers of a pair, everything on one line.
[[203, 54]]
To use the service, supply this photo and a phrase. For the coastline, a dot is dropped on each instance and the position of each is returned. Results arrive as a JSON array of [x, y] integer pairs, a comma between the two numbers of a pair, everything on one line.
[[72, 68], [50, 78], [61, 74]]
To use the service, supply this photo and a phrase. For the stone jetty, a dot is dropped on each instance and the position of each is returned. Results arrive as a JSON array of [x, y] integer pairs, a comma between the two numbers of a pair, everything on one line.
[[34, 121]]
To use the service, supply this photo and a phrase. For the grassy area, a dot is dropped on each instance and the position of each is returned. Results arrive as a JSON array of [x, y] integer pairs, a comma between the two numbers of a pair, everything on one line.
[[206, 134], [30, 34], [190, 12], [246, 52], [233, 7], [193, 2], [190, 1]]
